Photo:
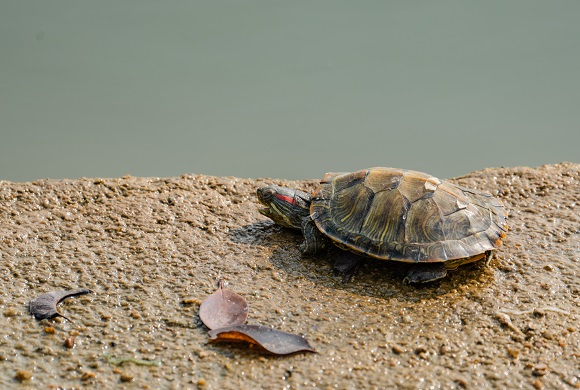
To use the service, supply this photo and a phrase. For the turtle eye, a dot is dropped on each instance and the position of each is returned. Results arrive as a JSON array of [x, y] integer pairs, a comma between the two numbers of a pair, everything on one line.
[[266, 194]]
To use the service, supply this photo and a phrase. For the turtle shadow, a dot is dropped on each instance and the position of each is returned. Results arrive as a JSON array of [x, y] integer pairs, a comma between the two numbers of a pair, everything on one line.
[[373, 278]]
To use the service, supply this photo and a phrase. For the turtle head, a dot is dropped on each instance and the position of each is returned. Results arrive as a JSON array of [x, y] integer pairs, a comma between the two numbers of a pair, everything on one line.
[[285, 206]]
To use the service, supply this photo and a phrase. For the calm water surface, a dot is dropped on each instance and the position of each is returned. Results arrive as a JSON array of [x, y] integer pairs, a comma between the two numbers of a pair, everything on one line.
[[285, 89]]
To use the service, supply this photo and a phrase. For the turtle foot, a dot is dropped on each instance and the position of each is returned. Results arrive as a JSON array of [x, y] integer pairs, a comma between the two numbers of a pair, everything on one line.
[[425, 273], [347, 266]]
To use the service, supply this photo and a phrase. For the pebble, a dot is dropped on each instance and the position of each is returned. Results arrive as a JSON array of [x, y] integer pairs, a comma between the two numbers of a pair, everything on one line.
[[562, 342], [513, 352], [540, 369], [11, 312], [23, 375], [190, 301], [69, 342], [49, 330], [127, 377], [87, 375]]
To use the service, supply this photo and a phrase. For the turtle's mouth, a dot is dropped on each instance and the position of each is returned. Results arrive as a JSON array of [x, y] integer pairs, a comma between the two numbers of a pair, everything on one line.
[[265, 211]]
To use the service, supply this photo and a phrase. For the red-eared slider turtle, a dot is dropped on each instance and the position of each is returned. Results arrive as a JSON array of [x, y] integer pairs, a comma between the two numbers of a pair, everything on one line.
[[393, 214]]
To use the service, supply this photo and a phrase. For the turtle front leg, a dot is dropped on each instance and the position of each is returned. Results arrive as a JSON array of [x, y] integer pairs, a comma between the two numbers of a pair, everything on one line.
[[314, 239]]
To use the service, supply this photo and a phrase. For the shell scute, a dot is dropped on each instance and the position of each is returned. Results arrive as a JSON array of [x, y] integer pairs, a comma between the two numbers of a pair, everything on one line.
[[412, 186], [379, 179], [384, 220], [423, 223]]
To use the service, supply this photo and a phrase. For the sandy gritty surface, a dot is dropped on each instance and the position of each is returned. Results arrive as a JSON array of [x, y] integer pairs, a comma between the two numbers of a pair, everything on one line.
[[152, 249]]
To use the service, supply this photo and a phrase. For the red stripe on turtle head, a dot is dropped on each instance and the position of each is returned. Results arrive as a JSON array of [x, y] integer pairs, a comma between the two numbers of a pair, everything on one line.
[[286, 198]]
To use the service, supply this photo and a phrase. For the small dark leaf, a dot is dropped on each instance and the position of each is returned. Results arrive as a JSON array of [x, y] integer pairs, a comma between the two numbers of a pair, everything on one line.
[[44, 306], [223, 308], [272, 340]]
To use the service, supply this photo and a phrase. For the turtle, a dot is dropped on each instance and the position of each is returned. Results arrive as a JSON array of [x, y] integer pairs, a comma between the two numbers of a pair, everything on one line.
[[399, 215]]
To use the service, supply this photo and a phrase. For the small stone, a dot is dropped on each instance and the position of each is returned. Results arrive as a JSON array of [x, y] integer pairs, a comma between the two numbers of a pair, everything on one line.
[[49, 330], [191, 301], [461, 382], [201, 382], [11, 312], [125, 377], [530, 328], [87, 375], [562, 342], [547, 334], [397, 349], [540, 369], [423, 355], [20, 346], [548, 267], [513, 352], [23, 375], [69, 342], [135, 314], [537, 384]]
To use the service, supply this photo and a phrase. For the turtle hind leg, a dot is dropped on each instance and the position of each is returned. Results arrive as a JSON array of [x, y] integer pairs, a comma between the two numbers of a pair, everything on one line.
[[314, 239], [424, 273], [488, 257], [347, 266]]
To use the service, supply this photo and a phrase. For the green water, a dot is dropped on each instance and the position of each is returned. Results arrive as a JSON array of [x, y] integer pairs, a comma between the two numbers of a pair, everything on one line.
[[287, 89]]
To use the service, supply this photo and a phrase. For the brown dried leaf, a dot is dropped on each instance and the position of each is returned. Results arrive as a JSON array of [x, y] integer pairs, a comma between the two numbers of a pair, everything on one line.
[[223, 308], [272, 340], [44, 306]]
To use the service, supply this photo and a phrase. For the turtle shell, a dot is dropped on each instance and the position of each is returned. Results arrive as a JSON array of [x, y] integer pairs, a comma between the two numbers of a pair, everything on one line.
[[407, 216]]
